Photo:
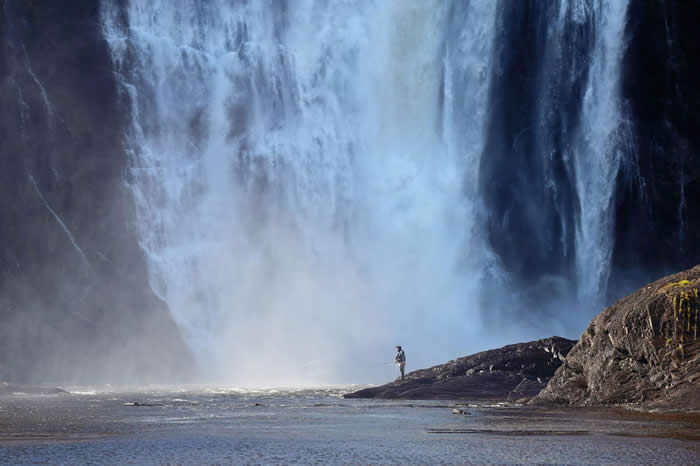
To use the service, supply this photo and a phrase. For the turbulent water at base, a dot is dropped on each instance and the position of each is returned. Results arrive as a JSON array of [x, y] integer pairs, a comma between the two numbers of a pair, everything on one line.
[[309, 176]]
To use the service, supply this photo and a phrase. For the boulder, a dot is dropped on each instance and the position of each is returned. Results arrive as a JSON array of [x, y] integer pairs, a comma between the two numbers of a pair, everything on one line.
[[643, 351]]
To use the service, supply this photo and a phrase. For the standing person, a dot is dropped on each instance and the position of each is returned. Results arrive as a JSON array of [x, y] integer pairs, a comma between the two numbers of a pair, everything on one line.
[[400, 360]]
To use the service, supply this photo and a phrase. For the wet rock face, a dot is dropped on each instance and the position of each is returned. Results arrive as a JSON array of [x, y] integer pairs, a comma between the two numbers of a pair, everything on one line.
[[656, 193], [643, 350], [511, 373], [74, 297]]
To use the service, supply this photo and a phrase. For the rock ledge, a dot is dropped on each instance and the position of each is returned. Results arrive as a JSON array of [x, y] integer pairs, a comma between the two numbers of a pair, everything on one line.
[[515, 372]]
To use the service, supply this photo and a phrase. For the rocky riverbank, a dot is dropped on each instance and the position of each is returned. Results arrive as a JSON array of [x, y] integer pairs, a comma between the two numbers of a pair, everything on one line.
[[514, 372], [641, 352]]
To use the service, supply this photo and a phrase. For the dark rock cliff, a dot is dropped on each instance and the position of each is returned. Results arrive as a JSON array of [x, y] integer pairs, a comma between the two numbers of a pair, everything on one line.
[[74, 297], [659, 188], [643, 350], [510, 373]]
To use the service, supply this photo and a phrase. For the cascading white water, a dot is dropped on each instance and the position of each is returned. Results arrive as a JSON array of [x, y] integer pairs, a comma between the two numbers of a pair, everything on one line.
[[306, 176], [603, 136], [466, 63], [300, 198]]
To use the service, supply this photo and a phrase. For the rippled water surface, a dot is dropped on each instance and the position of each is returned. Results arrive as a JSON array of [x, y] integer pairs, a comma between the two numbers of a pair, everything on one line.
[[229, 425]]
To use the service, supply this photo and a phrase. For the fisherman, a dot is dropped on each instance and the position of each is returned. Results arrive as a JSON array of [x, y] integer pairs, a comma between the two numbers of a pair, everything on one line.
[[400, 360]]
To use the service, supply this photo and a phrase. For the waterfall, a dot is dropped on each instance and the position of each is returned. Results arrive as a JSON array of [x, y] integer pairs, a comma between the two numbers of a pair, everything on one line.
[[602, 143], [556, 135], [308, 175], [297, 189]]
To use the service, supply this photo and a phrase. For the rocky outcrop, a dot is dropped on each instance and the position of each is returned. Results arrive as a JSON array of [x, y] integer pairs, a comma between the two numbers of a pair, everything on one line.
[[511, 373], [643, 350]]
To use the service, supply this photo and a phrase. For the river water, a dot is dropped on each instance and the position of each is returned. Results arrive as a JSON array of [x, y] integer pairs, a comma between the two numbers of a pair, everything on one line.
[[206, 424]]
